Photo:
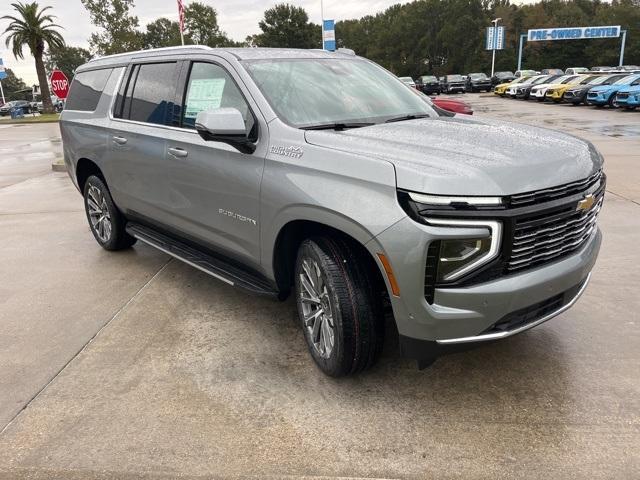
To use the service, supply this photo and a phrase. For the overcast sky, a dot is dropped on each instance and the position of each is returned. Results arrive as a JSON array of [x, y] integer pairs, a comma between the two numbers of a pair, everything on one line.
[[238, 18]]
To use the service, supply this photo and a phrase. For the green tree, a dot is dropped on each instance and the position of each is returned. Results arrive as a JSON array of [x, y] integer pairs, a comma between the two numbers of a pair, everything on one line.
[[287, 26], [162, 33], [119, 27], [201, 25], [11, 84], [66, 58], [33, 27]]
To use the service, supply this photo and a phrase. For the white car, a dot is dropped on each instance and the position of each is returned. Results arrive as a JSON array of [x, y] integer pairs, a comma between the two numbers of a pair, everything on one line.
[[408, 81], [540, 91], [513, 89], [576, 70]]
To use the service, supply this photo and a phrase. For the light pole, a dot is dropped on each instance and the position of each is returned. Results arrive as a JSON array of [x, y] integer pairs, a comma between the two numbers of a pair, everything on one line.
[[495, 36], [322, 24]]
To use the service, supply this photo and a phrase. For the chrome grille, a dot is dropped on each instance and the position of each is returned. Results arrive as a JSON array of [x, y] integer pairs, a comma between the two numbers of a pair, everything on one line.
[[542, 239], [547, 194]]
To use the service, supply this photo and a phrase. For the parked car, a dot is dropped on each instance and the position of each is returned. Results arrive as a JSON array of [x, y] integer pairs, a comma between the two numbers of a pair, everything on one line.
[[58, 104], [526, 73], [501, 89], [453, 105], [408, 81], [577, 94], [429, 84], [630, 68], [452, 84], [576, 70], [628, 97], [523, 90], [539, 92], [552, 71], [477, 82], [602, 95], [501, 78], [602, 69], [18, 104], [270, 182], [556, 92]]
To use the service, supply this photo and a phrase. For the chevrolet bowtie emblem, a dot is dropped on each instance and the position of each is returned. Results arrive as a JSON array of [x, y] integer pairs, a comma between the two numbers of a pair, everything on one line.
[[586, 203]]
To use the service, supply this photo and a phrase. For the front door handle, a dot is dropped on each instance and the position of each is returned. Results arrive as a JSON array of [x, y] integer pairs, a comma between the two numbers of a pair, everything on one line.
[[119, 140], [178, 152]]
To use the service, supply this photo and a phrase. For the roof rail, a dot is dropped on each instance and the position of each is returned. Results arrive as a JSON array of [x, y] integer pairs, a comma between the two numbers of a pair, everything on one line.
[[162, 49]]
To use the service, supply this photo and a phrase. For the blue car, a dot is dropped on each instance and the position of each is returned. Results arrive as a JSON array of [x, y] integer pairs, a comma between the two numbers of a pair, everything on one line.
[[629, 96], [606, 94]]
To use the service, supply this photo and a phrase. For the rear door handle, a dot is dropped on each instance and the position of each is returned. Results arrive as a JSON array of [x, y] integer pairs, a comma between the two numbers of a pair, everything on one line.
[[119, 140], [178, 152]]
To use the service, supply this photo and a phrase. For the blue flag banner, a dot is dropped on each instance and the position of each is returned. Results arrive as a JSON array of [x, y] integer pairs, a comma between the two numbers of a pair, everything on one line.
[[328, 35]]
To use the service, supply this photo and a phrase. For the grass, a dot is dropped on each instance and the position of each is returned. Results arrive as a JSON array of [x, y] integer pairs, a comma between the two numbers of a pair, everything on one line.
[[48, 118]]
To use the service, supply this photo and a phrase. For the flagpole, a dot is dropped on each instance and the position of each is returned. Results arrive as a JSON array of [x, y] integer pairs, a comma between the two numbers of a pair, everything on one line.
[[181, 20]]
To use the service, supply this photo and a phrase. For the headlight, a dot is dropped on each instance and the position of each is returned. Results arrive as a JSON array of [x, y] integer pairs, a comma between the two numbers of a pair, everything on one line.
[[455, 255], [458, 256]]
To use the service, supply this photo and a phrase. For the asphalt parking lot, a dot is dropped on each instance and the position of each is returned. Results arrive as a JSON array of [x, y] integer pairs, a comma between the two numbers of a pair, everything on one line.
[[131, 365]]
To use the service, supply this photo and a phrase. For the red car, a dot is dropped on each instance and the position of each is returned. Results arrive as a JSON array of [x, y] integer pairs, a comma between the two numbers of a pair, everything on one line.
[[452, 105]]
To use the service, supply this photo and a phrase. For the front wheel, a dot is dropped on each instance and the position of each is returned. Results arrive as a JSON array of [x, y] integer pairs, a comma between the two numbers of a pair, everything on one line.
[[105, 220], [339, 307]]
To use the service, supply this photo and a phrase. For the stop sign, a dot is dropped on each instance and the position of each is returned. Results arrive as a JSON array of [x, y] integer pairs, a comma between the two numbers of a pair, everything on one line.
[[59, 84]]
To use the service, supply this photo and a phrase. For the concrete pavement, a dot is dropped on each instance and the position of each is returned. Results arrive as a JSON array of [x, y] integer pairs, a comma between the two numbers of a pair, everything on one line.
[[189, 378]]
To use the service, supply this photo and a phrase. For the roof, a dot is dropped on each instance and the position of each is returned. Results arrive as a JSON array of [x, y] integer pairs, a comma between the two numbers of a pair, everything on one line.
[[237, 53]]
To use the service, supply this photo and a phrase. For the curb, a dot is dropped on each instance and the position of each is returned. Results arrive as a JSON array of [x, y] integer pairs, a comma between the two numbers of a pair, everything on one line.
[[59, 166]]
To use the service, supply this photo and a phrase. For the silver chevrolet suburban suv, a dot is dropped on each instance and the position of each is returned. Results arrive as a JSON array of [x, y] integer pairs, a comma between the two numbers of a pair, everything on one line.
[[321, 174]]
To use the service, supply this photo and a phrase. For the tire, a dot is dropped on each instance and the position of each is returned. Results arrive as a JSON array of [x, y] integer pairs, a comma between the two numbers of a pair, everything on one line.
[[612, 101], [105, 220], [333, 275]]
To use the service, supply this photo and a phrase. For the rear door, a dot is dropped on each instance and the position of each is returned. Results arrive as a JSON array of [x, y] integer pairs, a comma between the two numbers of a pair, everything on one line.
[[214, 189], [143, 112]]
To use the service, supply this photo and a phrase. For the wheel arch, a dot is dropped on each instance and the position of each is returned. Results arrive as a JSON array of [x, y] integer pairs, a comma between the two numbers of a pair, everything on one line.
[[84, 169], [294, 232]]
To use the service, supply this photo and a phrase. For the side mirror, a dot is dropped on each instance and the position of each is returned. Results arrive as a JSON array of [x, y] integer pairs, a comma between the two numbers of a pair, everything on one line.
[[224, 125]]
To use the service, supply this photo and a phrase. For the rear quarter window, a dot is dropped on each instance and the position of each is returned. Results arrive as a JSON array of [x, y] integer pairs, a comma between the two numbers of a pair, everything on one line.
[[86, 89]]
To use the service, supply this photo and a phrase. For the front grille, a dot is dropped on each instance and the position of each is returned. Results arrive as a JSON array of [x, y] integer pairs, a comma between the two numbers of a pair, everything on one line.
[[622, 96], [543, 238], [592, 95], [553, 193]]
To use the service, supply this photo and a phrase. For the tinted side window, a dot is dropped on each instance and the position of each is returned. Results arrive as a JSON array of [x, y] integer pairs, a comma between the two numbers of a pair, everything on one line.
[[210, 87], [86, 90], [153, 86]]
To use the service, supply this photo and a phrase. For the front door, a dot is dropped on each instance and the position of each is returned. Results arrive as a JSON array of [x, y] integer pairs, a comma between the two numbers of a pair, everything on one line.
[[213, 189]]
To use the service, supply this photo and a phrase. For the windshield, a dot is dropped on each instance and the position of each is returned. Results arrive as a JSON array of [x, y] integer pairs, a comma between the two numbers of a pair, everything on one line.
[[477, 76], [588, 80], [455, 78], [429, 79], [504, 74], [406, 79], [306, 92], [626, 80]]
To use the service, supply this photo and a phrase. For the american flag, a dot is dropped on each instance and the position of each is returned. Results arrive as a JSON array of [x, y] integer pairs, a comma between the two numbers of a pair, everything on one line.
[[181, 15]]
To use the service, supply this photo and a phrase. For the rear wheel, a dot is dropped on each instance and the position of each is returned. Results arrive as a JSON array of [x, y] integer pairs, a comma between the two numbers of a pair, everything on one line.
[[339, 306], [105, 220]]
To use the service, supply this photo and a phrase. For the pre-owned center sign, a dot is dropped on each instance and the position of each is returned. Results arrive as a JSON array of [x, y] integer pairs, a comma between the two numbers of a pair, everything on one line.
[[573, 33]]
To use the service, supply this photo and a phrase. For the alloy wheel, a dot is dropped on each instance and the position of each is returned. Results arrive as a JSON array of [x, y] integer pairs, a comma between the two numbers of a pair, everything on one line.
[[99, 214], [316, 308]]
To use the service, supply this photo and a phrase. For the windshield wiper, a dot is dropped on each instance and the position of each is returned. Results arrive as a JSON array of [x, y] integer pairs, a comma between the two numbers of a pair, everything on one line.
[[337, 126], [407, 117]]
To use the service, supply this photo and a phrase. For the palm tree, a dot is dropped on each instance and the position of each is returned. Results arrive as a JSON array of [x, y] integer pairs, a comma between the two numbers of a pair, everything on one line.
[[34, 28]]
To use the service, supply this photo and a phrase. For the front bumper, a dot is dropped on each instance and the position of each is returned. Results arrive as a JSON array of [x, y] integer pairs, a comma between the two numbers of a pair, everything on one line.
[[467, 314], [598, 98], [630, 100]]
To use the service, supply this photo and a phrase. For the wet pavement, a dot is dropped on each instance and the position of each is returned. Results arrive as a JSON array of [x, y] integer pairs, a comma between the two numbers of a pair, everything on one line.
[[131, 365]]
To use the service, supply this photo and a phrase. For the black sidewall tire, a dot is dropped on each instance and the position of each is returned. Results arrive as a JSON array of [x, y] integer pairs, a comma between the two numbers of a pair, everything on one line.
[[357, 310], [119, 239]]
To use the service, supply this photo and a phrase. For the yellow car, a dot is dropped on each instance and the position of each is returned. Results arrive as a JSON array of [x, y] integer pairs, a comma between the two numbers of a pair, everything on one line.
[[556, 92], [501, 88]]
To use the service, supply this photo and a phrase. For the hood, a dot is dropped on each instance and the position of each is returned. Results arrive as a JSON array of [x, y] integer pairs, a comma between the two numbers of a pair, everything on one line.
[[604, 88], [629, 89], [466, 156], [548, 85]]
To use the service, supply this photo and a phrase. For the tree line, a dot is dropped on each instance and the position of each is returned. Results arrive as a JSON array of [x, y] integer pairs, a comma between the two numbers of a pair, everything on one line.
[[421, 37]]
